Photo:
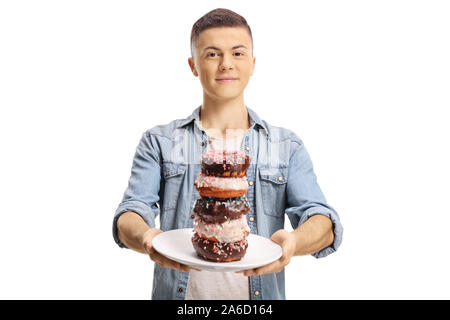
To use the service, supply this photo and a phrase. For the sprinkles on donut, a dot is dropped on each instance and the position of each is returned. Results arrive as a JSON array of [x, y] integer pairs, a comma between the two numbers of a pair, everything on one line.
[[220, 225]]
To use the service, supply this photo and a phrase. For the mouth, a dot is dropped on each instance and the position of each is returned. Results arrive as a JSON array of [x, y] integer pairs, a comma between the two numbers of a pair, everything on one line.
[[226, 80]]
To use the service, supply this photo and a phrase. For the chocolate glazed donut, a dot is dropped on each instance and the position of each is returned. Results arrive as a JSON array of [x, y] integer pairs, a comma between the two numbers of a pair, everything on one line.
[[215, 210], [233, 164], [222, 185], [219, 251]]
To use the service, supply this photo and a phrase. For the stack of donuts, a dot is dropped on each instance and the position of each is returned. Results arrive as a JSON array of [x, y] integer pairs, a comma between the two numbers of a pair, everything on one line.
[[220, 224]]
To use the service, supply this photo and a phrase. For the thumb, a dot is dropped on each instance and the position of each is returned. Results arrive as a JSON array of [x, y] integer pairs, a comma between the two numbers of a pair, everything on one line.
[[149, 248], [148, 238], [279, 236]]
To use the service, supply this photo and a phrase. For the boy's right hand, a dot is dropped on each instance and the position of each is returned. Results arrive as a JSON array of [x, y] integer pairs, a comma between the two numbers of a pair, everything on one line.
[[158, 258]]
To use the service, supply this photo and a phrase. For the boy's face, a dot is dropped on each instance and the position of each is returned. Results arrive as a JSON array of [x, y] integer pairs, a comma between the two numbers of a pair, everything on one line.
[[220, 53]]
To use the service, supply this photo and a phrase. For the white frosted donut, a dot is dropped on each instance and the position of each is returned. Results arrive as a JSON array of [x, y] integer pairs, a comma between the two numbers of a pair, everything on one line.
[[229, 231], [204, 181]]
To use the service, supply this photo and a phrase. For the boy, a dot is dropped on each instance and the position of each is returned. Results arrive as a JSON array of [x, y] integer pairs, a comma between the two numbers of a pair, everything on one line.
[[281, 177]]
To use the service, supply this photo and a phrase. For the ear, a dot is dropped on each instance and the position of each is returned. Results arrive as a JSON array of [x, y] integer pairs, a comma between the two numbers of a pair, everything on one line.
[[192, 66], [253, 65]]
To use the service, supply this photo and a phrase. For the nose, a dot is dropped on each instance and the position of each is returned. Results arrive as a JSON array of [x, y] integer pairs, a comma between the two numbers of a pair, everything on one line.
[[225, 64], [224, 67]]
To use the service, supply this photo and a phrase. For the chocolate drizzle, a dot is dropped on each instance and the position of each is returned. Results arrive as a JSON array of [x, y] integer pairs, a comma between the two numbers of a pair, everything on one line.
[[215, 210], [225, 163], [219, 251], [217, 205]]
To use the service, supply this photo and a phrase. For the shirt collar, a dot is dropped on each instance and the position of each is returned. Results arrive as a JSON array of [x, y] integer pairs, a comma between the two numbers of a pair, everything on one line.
[[254, 118]]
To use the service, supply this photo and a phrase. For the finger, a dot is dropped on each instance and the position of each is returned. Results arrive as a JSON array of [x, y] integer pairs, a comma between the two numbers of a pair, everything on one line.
[[273, 267], [279, 236], [171, 264], [249, 272], [157, 257], [186, 268], [176, 265], [196, 269], [285, 260], [270, 268], [164, 262], [149, 248]]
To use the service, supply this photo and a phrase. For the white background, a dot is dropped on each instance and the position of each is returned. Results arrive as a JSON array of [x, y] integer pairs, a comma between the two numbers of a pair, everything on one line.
[[365, 84]]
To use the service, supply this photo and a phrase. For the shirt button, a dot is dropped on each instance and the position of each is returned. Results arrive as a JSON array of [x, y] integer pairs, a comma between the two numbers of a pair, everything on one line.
[[247, 148], [203, 143], [192, 217], [181, 290], [256, 293], [251, 219], [280, 178], [250, 183]]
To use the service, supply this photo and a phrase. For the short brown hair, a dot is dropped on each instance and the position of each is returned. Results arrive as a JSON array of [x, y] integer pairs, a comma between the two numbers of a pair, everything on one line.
[[217, 18]]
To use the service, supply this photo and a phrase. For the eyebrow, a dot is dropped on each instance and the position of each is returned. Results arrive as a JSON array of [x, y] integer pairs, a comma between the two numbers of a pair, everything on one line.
[[215, 48]]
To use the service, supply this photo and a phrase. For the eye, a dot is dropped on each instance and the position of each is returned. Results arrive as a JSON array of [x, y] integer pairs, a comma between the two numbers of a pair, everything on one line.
[[240, 54], [210, 54]]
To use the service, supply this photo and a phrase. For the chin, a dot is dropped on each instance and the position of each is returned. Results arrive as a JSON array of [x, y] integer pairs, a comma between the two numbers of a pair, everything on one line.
[[224, 94], [228, 96]]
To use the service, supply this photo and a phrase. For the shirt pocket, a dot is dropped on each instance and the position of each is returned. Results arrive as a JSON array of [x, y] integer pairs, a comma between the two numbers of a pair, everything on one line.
[[173, 174], [273, 190]]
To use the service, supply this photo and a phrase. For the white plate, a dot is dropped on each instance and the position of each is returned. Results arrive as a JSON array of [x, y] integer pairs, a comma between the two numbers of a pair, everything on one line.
[[177, 245]]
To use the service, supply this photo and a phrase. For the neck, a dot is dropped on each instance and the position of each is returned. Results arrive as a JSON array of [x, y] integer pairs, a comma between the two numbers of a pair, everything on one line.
[[225, 117]]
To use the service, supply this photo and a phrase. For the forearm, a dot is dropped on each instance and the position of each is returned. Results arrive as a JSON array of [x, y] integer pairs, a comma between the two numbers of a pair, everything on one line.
[[313, 235], [130, 230]]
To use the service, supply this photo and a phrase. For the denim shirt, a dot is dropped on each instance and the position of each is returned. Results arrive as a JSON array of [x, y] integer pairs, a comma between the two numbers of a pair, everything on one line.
[[281, 181]]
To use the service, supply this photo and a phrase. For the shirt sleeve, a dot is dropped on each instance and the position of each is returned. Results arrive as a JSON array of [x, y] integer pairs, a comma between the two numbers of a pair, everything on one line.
[[305, 198], [142, 194]]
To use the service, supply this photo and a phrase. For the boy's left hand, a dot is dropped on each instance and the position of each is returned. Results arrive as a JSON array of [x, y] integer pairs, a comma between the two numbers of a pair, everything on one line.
[[287, 242]]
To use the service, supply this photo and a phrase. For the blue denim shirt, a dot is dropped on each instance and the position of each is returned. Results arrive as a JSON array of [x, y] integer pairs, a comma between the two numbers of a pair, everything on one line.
[[166, 163]]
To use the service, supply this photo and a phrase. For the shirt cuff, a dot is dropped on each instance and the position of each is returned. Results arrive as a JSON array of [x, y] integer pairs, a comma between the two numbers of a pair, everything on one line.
[[337, 229], [135, 206]]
